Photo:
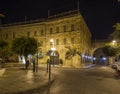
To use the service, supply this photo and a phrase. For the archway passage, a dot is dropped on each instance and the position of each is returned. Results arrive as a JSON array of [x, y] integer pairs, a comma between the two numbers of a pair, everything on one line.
[[54, 57], [101, 58]]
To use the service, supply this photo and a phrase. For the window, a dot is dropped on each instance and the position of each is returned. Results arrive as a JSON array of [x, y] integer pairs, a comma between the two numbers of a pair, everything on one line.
[[51, 30], [28, 34], [41, 32], [13, 35], [57, 41], [64, 28], [64, 41], [57, 29], [35, 33], [72, 40], [6, 36], [72, 27], [41, 43]]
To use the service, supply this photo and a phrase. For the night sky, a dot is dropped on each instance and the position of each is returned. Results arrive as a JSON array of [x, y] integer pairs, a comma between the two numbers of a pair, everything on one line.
[[100, 15]]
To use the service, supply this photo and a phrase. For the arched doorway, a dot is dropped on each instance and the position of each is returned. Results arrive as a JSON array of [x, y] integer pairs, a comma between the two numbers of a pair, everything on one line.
[[54, 57]]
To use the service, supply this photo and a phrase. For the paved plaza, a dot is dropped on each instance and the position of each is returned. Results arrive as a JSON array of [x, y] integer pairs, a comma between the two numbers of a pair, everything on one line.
[[14, 79], [89, 79]]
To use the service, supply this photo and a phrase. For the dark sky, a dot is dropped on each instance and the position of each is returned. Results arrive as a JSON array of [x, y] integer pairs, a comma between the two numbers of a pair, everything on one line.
[[100, 15]]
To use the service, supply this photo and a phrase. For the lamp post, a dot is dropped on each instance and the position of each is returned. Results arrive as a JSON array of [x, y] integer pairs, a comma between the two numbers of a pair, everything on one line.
[[53, 50], [37, 57], [51, 54]]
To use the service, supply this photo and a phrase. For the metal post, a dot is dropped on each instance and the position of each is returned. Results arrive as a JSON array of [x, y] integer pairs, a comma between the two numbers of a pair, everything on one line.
[[49, 70], [37, 64], [47, 67], [53, 60], [37, 59], [33, 66]]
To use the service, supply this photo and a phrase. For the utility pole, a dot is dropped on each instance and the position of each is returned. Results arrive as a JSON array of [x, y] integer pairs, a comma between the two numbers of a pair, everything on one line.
[[25, 19], [48, 13]]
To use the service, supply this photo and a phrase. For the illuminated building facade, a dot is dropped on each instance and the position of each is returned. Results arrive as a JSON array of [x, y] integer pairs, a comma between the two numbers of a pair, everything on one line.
[[68, 30]]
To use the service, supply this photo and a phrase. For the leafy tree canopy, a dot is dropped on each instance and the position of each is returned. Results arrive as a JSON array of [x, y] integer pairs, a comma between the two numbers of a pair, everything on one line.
[[116, 33], [110, 51], [24, 46], [3, 44]]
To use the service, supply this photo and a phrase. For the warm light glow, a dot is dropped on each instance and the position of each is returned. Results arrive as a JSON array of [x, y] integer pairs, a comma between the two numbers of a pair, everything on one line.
[[51, 40], [113, 41], [53, 49]]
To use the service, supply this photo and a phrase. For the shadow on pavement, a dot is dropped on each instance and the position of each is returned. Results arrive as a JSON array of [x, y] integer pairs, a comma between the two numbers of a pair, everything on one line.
[[38, 90]]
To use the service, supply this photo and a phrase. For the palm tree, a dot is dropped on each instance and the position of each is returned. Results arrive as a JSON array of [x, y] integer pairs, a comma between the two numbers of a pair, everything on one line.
[[71, 52], [116, 33], [24, 46]]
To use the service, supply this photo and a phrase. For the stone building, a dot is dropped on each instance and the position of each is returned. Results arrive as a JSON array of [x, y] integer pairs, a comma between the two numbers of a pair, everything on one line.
[[68, 30]]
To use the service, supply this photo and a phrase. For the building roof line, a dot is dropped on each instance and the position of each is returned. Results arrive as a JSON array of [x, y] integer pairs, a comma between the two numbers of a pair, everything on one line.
[[63, 14]]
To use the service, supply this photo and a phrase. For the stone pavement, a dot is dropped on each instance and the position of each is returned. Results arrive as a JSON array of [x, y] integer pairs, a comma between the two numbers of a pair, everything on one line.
[[14, 79]]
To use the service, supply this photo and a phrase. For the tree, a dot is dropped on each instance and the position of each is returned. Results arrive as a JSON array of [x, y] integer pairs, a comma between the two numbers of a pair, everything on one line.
[[71, 52], [116, 33], [3, 44], [110, 51], [24, 46], [4, 49]]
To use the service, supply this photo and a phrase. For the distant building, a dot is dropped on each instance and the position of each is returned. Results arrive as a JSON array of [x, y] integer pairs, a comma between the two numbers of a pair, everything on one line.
[[68, 30]]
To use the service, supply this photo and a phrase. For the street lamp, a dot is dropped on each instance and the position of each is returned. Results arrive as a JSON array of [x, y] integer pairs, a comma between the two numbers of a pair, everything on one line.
[[114, 43], [51, 54], [37, 57], [53, 50]]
